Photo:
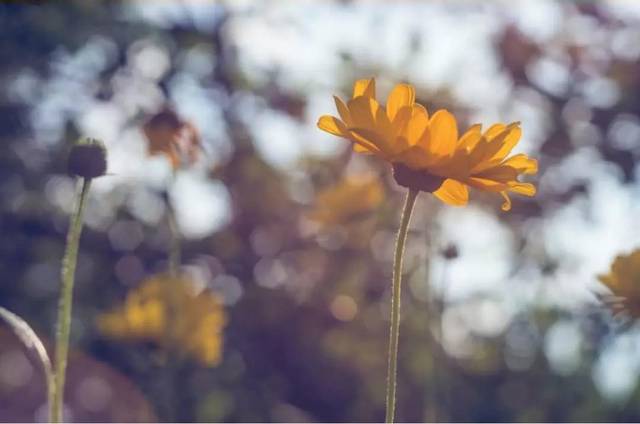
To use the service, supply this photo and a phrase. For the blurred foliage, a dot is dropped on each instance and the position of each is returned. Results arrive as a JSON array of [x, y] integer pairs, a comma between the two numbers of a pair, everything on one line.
[[303, 263]]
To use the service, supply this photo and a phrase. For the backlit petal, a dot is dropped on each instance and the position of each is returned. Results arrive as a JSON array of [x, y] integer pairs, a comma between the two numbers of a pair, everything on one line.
[[417, 125], [486, 185], [526, 189], [418, 109], [506, 206], [494, 130], [510, 140], [365, 87], [415, 157], [369, 140], [470, 138], [522, 163], [482, 155], [401, 120], [363, 111], [500, 173], [382, 123], [444, 133], [401, 95], [358, 148], [453, 193], [343, 110], [456, 166], [333, 125]]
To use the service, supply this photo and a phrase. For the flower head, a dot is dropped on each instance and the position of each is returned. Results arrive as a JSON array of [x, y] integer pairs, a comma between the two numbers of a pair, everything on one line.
[[172, 313], [425, 150], [87, 158], [623, 281], [169, 135]]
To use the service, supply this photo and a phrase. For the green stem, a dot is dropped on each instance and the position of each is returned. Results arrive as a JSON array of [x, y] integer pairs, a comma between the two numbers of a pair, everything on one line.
[[174, 250], [64, 304], [395, 304]]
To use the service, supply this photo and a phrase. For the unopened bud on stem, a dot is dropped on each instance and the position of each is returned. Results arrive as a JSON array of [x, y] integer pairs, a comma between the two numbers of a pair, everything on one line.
[[88, 158]]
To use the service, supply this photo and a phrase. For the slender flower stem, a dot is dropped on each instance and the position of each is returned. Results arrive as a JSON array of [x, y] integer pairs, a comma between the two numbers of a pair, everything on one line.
[[395, 304], [175, 249], [65, 301], [172, 365]]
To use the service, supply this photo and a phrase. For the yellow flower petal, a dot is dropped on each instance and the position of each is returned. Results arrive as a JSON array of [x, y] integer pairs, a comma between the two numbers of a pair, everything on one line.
[[506, 206], [417, 125], [486, 185], [522, 163], [453, 193], [510, 140], [383, 126], [494, 130], [402, 120], [343, 110], [415, 157], [333, 125], [401, 95], [358, 148], [526, 189], [501, 173], [444, 133], [470, 138], [365, 87], [368, 139], [481, 157], [363, 112]]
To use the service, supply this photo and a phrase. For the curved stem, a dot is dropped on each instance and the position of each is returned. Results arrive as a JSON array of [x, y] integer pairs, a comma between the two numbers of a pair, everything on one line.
[[63, 328], [395, 304]]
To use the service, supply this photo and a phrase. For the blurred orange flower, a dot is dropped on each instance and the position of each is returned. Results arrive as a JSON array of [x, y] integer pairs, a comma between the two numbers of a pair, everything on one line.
[[173, 313], [169, 135], [623, 280], [425, 151], [351, 197]]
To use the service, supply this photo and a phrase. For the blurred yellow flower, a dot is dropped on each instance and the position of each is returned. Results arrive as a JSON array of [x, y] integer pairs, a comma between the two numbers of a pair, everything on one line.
[[351, 197], [425, 151], [624, 283], [173, 313]]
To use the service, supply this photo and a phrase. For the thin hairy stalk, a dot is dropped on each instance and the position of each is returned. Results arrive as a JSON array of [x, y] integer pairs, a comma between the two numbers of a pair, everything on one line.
[[173, 360], [394, 333], [175, 248], [65, 302]]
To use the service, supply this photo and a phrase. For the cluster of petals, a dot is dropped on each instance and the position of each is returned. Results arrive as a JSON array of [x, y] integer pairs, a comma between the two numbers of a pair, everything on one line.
[[172, 313], [623, 281], [428, 148]]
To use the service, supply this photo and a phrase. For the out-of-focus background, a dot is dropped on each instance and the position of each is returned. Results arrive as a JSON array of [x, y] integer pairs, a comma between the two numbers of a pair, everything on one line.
[[287, 236]]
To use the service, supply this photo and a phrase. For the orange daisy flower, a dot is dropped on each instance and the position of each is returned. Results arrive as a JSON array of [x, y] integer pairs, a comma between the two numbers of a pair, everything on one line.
[[425, 151]]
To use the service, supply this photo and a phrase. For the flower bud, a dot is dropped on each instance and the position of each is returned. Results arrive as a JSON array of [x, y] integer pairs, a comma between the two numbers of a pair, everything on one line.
[[88, 158]]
